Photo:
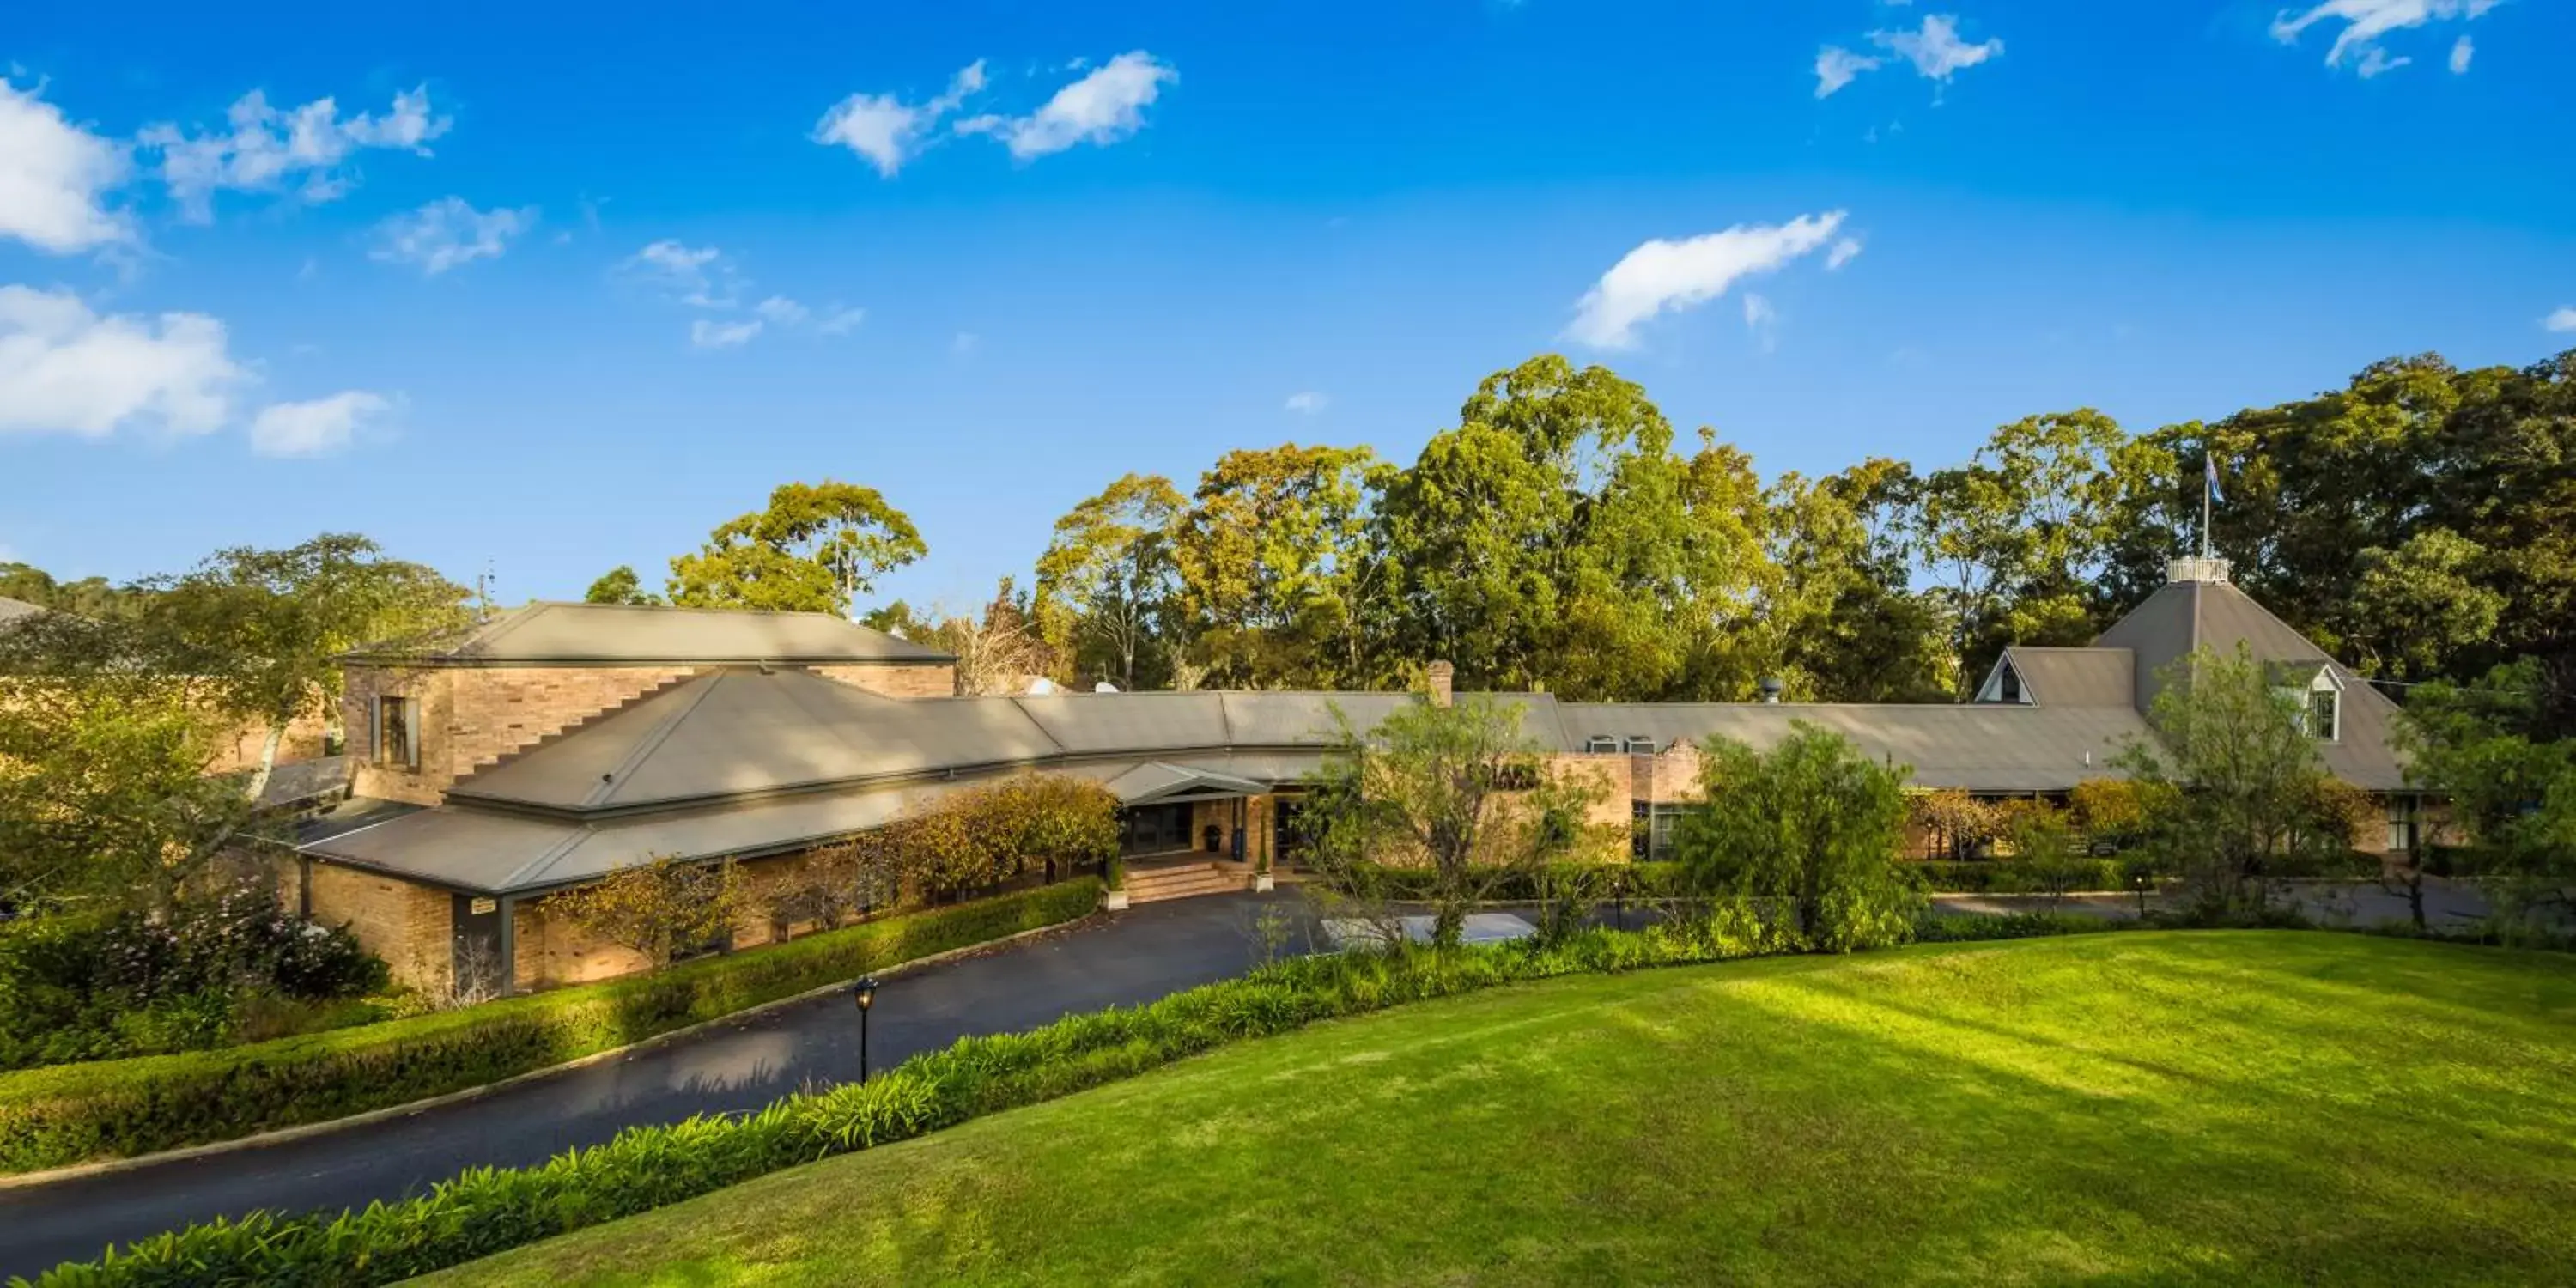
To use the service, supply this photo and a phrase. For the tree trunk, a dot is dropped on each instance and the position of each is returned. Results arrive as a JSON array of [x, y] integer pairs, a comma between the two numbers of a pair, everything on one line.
[[267, 760]]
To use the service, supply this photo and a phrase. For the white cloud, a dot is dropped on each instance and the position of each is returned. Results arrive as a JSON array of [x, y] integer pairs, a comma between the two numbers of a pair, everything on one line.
[[698, 276], [2365, 21], [267, 150], [837, 320], [1761, 319], [1837, 66], [53, 175], [888, 131], [1935, 48], [2563, 320], [1663, 275], [315, 428], [1103, 107], [66, 369], [707, 333], [1844, 252], [448, 232], [2461, 52], [1308, 402], [782, 310]]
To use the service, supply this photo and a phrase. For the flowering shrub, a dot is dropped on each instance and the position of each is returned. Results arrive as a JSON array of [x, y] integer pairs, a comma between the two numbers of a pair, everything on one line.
[[139, 984]]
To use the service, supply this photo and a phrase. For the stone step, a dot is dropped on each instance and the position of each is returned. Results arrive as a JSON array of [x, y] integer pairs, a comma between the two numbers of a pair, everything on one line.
[[1156, 884]]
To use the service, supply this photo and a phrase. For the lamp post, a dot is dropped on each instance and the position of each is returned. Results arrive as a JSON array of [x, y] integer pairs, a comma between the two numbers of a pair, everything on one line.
[[865, 994]]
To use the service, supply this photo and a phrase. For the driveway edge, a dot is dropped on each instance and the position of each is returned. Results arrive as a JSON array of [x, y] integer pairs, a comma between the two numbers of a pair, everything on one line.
[[106, 1167]]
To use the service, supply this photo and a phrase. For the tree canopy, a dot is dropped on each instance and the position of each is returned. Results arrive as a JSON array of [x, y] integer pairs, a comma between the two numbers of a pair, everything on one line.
[[815, 549]]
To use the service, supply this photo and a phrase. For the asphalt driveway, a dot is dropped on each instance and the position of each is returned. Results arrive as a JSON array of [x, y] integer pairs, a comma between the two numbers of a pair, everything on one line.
[[1121, 959]]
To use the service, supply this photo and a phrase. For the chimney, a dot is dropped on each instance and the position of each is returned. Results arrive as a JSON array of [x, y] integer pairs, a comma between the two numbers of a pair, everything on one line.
[[2180, 571], [1442, 678], [1769, 687]]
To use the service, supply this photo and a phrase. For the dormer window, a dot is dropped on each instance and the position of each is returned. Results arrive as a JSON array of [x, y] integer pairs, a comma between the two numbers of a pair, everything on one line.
[[2011, 684], [1601, 744], [1640, 745], [2003, 684], [2325, 713]]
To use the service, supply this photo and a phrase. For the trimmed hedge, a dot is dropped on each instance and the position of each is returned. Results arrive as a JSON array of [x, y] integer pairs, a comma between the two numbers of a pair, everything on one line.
[[1637, 881], [489, 1210], [2003, 876], [66, 1114]]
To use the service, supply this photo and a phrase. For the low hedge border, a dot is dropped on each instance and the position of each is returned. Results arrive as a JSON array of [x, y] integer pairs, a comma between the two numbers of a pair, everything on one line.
[[489, 1210], [66, 1115], [2005, 876]]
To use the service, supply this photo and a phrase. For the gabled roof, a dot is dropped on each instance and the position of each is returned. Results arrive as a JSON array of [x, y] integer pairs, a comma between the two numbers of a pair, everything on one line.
[[557, 634], [1157, 780], [2186, 615], [1995, 747]]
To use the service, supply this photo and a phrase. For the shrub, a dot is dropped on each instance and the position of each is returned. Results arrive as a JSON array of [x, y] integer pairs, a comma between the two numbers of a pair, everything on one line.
[[205, 973], [1812, 823], [115, 1109], [1643, 882], [2009, 876]]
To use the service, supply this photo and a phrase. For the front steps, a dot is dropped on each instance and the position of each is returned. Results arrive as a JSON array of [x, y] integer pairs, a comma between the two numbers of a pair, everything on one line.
[[1182, 880]]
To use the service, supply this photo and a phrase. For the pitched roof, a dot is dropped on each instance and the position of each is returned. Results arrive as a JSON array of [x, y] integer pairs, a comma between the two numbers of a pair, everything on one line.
[[558, 634], [1984, 748], [2186, 615], [2075, 677], [13, 609]]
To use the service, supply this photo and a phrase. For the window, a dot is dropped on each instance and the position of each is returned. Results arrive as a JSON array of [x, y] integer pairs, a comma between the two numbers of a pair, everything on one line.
[[1640, 745], [1662, 826], [1601, 745], [397, 742], [2401, 824], [2010, 690], [2322, 713]]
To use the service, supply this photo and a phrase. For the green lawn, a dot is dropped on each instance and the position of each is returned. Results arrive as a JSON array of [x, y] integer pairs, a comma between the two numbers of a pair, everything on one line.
[[2109, 1109]]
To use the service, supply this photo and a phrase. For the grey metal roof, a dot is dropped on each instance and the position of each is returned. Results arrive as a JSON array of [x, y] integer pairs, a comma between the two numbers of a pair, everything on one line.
[[558, 634], [479, 850], [741, 732], [2075, 677], [1095, 723], [2186, 615], [13, 609], [1157, 780], [1983, 748]]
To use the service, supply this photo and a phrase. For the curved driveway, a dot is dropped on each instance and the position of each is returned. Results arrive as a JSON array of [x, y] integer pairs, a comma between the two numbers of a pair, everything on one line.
[[1126, 958]]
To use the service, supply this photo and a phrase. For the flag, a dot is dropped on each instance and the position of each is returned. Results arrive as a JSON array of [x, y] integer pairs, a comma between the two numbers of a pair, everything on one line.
[[2209, 469]]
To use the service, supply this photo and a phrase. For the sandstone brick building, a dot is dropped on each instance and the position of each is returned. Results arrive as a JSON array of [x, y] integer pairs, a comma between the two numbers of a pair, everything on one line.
[[562, 742]]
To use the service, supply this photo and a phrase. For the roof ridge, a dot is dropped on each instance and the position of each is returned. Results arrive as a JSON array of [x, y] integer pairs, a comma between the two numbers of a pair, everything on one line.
[[651, 742], [510, 619]]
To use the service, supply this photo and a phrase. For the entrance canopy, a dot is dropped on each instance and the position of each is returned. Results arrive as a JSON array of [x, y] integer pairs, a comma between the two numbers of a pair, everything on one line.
[[1156, 782]]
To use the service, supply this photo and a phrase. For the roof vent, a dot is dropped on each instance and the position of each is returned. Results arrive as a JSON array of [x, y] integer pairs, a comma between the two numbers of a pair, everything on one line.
[[2190, 570]]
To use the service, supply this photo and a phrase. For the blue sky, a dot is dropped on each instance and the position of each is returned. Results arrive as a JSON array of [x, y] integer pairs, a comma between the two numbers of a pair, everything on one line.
[[495, 303]]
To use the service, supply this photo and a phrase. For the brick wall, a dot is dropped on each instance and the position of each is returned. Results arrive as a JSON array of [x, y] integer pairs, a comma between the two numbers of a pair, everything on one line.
[[409, 926], [470, 717], [938, 681], [551, 952], [303, 741]]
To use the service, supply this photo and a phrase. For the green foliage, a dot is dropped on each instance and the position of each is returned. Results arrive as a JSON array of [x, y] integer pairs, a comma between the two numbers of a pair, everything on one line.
[[213, 969], [619, 585], [2239, 798], [1106, 583], [88, 597], [816, 548], [2514, 792], [1591, 882], [2012, 876], [1812, 826], [1278, 570], [486, 1210], [105, 800], [1457, 790], [657, 910], [68, 1114], [992, 831]]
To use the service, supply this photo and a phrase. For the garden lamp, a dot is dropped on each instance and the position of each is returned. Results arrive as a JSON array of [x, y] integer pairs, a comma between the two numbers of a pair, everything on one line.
[[865, 994]]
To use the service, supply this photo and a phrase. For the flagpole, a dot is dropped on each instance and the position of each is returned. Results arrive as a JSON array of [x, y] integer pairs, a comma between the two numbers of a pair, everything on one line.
[[2205, 467]]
